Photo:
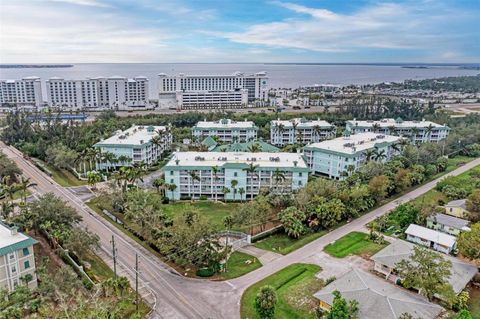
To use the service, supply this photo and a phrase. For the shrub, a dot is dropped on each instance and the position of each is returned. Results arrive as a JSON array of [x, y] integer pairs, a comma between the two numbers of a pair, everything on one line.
[[203, 197], [205, 272], [165, 200]]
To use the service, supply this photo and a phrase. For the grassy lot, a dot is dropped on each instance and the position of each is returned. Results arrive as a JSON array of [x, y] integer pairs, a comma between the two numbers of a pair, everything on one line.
[[237, 267], [354, 243], [213, 211], [283, 244], [294, 285], [63, 177]]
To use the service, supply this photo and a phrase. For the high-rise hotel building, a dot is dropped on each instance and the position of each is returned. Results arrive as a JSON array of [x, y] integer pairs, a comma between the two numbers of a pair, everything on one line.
[[24, 92], [115, 92], [212, 91]]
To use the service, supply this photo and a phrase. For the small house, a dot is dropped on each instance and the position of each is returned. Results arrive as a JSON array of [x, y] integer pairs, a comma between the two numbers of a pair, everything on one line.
[[457, 208], [431, 238], [447, 224]]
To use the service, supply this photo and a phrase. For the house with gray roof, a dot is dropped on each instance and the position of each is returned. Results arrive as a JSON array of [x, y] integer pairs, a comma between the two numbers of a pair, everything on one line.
[[457, 208], [431, 238], [386, 259], [377, 298], [447, 224], [17, 260]]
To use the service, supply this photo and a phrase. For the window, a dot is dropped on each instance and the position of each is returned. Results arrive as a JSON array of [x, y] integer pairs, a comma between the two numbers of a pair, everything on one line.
[[235, 174], [11, 256], [171, 172], [14, 269], [299, 183], [300, 174], [25, 251], [171, 181], [26, 264]]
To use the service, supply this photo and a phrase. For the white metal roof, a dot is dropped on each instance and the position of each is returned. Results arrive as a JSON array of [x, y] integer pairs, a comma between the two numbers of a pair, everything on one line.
[[355, 142], [431, 235], [209, 159], [6, 237], [301, 123], [135, 135], [385, 123], [225, 124]]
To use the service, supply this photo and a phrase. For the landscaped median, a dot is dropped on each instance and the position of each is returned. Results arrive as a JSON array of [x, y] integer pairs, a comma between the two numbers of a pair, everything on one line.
[[354, 243], [294, 285], [283, 244]]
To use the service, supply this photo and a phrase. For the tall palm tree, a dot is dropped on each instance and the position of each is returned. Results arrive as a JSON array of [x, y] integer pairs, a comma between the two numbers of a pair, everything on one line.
[[93, 154], [316, 133], [172, 187], [193, 177], [369, 153], [294, 127], [392, 130], [225, 191], [429, 130], [278, 177], [375, 127], [159, 184], [23, 185], [215, 171], [241, 191], [251, 171], [108, 158], [124, 160], [350, 169], [233, 184], [415, 131]]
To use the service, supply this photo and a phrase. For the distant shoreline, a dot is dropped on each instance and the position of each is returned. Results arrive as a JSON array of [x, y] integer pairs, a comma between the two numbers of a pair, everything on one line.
[[34, 66]]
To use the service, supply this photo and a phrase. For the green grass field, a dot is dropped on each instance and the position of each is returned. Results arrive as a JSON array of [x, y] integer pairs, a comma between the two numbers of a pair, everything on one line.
[[237, 267], [213, 211], [354, 243], [283, 244], [294, 285], [63, 177]]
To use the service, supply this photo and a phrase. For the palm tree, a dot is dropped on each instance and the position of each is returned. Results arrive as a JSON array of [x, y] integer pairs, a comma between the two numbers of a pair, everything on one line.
[[280, 128], [23, 185], [316, 133], [429, 130], [108, 158], [369, 153], [350, 169], [193, 177], [226, 190], [172, 188], [375, 127], [241, 191], [278, 176], [254, 148], [251, 171], [159, 184], [379, 155], [124, 160], [93, 178], [93, 154], [294, 127], [233, 184], [415, 131], [215, 171], [82, 157], [392, 130]]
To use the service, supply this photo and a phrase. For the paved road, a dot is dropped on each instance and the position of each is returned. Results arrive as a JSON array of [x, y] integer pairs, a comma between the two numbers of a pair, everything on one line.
[[175, 296]]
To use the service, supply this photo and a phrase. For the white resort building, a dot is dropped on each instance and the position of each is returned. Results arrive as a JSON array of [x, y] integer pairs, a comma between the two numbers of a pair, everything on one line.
[[17, 261], [284, 132], [137, 144], [233, 176], [212, 91], [225, 130], [26, 92], [116, 92], [341, 156], [416, 131]]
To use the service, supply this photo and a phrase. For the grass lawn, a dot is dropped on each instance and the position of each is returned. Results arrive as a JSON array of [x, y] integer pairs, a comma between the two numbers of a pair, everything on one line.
[[63, 177], [214, 212], [237, 267], [354, 243], [474, 302], [283, 244], [294, 285]]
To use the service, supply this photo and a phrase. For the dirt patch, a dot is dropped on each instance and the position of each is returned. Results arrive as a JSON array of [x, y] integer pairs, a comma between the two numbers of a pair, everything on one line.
[[43, 249]]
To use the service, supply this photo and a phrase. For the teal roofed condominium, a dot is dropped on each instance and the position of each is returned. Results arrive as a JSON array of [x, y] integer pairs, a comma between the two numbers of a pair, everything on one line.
[[341, 156], [225, 130], [233, 176], [137, 144], [416, 131]]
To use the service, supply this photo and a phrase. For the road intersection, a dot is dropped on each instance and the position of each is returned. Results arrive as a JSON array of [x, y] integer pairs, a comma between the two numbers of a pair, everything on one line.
[[172, 295]]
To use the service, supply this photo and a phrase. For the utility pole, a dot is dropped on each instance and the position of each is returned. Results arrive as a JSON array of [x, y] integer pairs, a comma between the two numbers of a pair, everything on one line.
[[114, 254], [136, 282]]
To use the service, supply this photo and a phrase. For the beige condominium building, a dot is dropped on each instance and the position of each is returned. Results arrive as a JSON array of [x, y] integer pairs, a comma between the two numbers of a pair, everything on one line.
[[17, 262]]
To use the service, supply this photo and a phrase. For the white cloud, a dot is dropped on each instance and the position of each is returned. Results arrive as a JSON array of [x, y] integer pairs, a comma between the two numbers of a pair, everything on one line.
[[413, 26], [91, 3]]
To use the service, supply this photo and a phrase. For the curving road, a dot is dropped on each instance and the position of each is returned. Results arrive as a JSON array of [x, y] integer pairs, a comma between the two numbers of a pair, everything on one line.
[[174, 296]]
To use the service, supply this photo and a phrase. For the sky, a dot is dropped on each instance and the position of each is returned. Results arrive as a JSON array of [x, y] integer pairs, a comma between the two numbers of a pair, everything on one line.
[[190, 31]]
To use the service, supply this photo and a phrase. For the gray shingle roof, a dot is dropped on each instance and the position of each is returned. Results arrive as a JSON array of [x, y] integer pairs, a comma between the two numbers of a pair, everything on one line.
[[457, 203], [399, 250], [377, 298], [450, 221]]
